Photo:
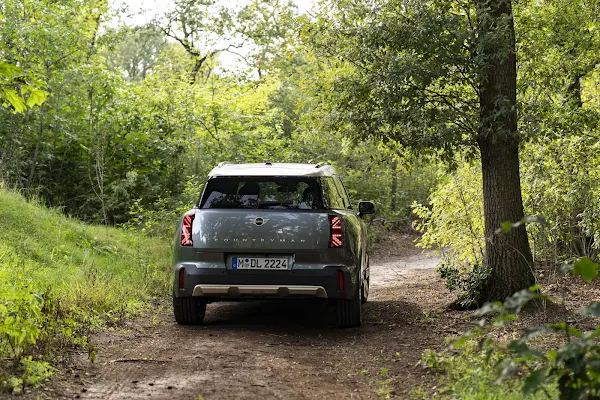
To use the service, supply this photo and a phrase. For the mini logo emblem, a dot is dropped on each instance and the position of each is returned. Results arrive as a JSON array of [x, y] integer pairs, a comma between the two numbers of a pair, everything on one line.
[[259, 221]]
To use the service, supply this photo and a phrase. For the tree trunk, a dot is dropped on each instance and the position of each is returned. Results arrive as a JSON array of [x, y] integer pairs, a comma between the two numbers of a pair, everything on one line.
[[508, 254]]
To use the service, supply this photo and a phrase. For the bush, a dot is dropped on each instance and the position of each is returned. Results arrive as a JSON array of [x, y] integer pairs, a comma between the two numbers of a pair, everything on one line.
[[453, 223], [467, 284]]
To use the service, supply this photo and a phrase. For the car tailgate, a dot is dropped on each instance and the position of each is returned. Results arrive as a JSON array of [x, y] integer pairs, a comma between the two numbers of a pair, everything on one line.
[[259, 230]]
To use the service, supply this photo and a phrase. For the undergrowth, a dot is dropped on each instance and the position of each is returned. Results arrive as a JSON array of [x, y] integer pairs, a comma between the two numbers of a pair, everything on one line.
[[480, 364], [470, 374], [60, 279]]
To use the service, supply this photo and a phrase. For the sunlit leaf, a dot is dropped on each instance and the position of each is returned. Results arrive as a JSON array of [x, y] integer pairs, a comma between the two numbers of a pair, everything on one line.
[[36, 97], [586, 268], [16, 101]]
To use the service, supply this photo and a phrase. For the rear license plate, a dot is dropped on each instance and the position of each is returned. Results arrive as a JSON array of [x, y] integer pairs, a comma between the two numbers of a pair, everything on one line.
[[270, 263]]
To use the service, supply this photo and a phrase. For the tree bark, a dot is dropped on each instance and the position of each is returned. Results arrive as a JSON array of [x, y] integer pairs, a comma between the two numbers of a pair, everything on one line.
[[507, 254]]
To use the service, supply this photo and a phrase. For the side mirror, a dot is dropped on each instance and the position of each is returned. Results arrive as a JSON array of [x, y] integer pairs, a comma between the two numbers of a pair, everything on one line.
[[365, 208]]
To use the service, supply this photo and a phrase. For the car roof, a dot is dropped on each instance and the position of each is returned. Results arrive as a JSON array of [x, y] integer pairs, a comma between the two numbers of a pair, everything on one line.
[[272, 169]]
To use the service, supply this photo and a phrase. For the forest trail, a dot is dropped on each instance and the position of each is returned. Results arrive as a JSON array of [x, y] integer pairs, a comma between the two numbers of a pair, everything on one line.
[[279, 350]]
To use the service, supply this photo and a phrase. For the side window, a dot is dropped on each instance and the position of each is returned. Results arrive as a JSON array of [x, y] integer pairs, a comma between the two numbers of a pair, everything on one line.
[[342, 192], [332, 195]]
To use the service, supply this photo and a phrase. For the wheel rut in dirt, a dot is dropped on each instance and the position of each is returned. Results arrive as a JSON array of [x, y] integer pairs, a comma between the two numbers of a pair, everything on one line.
[[279, 350]]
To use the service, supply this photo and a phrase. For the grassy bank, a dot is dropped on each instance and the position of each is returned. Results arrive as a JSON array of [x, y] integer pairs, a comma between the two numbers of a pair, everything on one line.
[[60, 278]]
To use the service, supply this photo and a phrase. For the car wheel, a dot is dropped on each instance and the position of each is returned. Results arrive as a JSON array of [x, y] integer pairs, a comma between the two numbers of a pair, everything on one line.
[[348, 313], [365, 283], [189, 310]]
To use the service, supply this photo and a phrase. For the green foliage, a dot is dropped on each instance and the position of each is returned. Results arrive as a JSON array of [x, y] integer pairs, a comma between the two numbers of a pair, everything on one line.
[[59, 279], [560, 182], [470, 374], [32, 374], [573, 367], [467, 284], [21, 317], [124, 131], [17, 89], [404, 70], [138, 51], [586, 268], [453, 222]]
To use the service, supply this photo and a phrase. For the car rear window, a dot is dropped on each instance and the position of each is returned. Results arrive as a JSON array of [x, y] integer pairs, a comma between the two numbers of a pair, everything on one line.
[[297, 193]]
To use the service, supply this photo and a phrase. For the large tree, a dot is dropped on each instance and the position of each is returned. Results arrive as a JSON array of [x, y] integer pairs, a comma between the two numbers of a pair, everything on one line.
[[508, 254], [436, 75]]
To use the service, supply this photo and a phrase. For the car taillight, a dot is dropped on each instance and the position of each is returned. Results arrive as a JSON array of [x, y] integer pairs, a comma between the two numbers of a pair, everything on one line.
[[336, 238], [181, 278], [186, 230]]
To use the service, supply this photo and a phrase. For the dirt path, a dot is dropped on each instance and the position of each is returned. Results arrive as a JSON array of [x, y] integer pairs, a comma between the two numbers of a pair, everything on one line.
[[279, 350]]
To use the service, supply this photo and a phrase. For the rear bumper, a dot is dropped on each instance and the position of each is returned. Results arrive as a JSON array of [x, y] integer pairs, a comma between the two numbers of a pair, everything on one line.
[[217, 284], [253, 290]]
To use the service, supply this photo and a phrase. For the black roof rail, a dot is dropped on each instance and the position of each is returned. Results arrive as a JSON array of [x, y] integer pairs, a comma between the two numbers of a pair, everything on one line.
[[321, 164]]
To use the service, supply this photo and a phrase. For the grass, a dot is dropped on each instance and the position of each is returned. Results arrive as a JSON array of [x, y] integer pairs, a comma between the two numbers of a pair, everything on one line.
[[60, 278]]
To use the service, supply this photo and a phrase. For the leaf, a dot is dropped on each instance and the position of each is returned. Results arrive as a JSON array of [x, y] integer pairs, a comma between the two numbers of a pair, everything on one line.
[[9, 70], [36, 97], [488, 308], [534, 381], [565, 327], [517, 301], [461, 341], [586, 268], [566, 268], [595, 365], [506, 226], [521, 348], [484, 343], [592, 310], [14, 99], [591, 334], [538, 330], [507, 369]]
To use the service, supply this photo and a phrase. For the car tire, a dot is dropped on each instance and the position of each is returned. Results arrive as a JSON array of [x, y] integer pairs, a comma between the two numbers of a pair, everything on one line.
[[348, 313], [364, 294], [189, 310]]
